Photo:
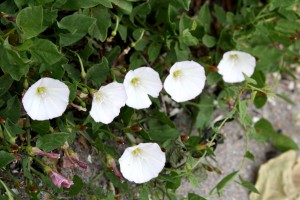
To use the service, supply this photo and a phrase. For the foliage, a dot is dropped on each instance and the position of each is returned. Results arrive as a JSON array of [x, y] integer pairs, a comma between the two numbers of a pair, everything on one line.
[[91, 43]]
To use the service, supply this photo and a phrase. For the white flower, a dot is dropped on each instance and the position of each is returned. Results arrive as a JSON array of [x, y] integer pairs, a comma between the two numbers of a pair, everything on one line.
[[185, 81], [140, 83], [107, 102], [142, 163], [234, 64], [46, 99]]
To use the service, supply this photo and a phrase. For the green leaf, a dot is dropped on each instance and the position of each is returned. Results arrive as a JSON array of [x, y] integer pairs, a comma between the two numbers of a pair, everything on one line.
[[103, 21], [248, 185], [5, 158], [163, 118], [45, 51], [249, 155], [106, 3], [6, 82], [227, 179], [203, 118], [204, 17], [77, 25], [52, 141], [76, 5], [30, 21], [193, 196], [188, 38], [140, 10], [41, 127], [209, 41], [163, 133], [26, 169], [281, 142], [173, 180], [260, 99], [12, 63], [184, 3], [177, 154], [244, 115], [124, 5], [49, 17], [98, 73], [73, 90], [280, 4], [13, 109], [220, 13], [181, 54], [154, 51], [193, 180], [55, 70], [76, 187], [144, 193], [122, 30]]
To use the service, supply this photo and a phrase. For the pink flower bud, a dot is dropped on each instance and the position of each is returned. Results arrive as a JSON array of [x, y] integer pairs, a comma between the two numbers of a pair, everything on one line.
[[36, 151], [113, 166], [59, 180], [71, 159], [74, 158]]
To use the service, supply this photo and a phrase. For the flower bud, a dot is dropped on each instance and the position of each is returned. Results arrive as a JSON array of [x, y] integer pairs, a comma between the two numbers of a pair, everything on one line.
[[59, 180], [136, 128], [113, 166], [36, 151], [184, 137]]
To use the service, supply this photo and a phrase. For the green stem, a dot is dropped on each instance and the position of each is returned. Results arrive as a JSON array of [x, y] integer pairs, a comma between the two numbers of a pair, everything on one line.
[[8, 191]]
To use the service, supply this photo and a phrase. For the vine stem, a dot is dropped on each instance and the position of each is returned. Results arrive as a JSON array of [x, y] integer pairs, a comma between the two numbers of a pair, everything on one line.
[[219, 128]]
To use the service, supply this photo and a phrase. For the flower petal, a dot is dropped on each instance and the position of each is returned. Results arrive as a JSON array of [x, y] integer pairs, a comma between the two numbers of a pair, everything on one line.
[[140, 83], [137, 98], [188, 84], [105, 109], [234, 64], [150, 80], [143, 166], [48, 104]]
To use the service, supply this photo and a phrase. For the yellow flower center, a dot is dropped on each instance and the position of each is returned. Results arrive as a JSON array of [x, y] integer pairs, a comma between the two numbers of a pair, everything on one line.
[[136, 152], [135, 81], [41, 90], [234, 56], [177, 73], [99, 96]]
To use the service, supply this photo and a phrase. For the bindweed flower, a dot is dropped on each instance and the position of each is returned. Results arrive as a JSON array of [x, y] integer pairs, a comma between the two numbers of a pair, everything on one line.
[[36, 151], [142, 163], [107, 102], [234, 64], [59, 180], [185, 81], [46, 99], [140, 83]]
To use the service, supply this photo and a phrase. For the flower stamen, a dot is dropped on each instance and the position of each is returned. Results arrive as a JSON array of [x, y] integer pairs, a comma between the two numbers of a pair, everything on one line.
[[137, 152], [135, 81], [99, 96], [41, 90], [234, 56], [177, 73]]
